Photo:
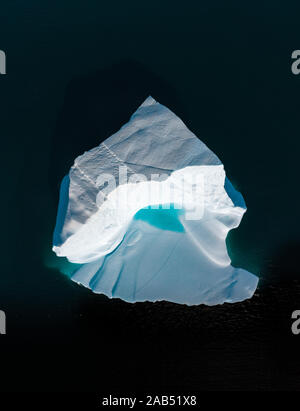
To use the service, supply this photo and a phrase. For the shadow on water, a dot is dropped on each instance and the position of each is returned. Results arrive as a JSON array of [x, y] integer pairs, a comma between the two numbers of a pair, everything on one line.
[[283, 266], [97, 105]]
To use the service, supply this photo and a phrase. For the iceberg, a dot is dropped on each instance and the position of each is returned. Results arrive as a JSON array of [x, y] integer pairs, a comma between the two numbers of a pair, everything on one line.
[[146, 214]]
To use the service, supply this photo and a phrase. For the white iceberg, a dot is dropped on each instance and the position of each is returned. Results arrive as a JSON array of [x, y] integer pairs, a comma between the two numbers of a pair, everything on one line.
[[147, 213]]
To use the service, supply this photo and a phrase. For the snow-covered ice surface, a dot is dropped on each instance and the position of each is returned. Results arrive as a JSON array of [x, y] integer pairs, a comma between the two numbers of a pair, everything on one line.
[[135, 252]]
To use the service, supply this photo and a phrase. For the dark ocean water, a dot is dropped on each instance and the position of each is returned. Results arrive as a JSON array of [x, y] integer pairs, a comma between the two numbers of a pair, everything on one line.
[[76, 71]]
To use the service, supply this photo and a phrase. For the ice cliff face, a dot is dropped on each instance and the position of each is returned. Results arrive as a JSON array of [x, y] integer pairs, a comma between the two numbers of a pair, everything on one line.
[[147, 213]]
